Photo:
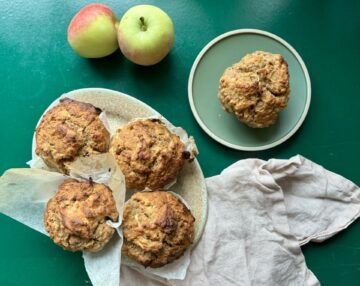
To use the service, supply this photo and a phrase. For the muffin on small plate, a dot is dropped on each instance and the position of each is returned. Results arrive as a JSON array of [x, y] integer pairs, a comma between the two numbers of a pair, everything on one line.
[[148, 154], [157, 228], [256, 89], [69, 130], [76, 217]]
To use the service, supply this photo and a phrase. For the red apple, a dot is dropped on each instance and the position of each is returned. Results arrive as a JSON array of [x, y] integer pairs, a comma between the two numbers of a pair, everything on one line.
[[92, 32]]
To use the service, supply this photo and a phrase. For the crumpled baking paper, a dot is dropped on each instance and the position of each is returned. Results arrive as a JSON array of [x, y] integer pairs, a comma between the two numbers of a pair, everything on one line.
[[24, 194], [175, 270], [259, 215]]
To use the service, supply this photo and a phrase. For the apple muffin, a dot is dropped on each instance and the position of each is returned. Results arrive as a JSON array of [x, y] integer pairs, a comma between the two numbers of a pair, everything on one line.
[[157, 228], [256, 89], [148, 154], [69, 130], [76, 217]]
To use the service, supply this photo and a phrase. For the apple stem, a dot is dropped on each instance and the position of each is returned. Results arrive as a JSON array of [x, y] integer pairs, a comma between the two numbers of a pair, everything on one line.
[[143, 26]]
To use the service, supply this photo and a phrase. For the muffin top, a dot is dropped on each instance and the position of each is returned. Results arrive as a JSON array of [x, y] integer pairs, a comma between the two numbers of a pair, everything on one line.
[[157, 228], [256, 89], [148, 154], [68, 130], [76, 216]]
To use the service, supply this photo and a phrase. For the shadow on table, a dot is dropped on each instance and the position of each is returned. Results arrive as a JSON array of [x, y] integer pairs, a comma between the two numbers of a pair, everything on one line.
[[117, 66], [108, 67]]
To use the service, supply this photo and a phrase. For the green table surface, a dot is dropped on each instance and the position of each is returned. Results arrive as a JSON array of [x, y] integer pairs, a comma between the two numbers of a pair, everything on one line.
[[37, 65]]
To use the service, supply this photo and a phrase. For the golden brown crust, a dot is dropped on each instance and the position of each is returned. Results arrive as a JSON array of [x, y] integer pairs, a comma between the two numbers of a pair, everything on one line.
[[157, 228], [68, 130], [256, 89], [76, 216], [148, 154]]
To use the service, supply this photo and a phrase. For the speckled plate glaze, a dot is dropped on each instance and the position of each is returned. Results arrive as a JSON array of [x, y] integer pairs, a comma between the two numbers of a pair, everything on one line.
[[224, 51], [120, 109]]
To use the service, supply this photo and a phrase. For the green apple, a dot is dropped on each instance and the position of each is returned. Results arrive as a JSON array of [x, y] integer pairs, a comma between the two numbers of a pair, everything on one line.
[[92, 32], [145, 34]]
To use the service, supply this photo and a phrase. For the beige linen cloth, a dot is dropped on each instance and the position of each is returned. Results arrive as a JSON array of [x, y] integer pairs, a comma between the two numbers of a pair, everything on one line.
[[259, 215]]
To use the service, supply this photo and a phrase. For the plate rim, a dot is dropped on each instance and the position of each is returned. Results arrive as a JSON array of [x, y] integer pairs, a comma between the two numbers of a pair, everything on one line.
[[216, 137]]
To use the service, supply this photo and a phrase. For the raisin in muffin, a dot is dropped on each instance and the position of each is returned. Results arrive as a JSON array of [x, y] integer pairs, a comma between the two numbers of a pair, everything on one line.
[[157, 228], [256, 89], [76, 216], [68, 130], [148, 154]]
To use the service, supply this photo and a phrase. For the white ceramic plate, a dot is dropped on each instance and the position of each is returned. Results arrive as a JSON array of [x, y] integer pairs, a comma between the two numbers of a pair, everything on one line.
[[120, 109]]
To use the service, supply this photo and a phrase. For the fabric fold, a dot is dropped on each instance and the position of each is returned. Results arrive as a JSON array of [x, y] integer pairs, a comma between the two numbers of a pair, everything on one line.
[[319, 203], [259, 214]]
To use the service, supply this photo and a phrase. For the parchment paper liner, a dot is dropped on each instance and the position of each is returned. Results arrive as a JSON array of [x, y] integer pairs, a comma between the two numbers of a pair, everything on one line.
[[189, 142], [178, 268], [24, 194]]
